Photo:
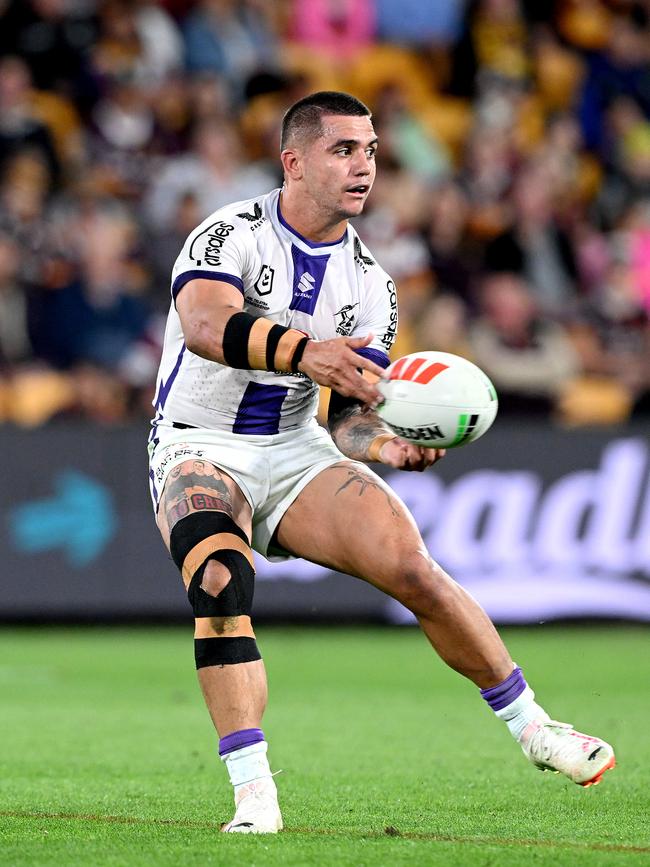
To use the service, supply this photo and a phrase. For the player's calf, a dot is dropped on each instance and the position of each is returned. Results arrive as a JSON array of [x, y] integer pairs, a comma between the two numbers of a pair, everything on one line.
[[216, 562]]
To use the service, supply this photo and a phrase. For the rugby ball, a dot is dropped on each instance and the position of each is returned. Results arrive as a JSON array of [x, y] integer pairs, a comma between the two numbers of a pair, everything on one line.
[[437, 399]]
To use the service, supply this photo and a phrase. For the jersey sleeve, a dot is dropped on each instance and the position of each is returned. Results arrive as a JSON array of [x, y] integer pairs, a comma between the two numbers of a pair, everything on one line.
[[378, 316], [218, 249]]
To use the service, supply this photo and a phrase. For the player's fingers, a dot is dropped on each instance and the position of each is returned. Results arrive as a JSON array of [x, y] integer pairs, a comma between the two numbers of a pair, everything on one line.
[[350, 383], [359, 342], [363, 389], [427, 458], [370, 366]]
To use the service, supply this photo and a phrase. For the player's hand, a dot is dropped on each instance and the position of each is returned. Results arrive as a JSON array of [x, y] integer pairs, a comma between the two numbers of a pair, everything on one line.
[[334, 363], [402, 455]]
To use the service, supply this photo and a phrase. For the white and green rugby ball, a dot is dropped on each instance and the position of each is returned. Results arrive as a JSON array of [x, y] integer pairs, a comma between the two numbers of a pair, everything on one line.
[[437, 399]]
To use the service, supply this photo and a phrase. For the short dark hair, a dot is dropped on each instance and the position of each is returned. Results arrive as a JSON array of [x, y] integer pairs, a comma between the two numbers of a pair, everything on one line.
[[304, 118]]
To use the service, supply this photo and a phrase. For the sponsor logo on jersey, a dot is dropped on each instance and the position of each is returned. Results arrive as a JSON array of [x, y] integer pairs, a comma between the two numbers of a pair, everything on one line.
[[344, 319], [430, 432], [255, 302], [255, 218], [264, 283], [306, 285], [308, 276], [388, 337], [213, 238], [364, 262]]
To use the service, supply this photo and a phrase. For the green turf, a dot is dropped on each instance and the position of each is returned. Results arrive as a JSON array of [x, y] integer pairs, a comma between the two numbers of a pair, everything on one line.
[[388, 758]]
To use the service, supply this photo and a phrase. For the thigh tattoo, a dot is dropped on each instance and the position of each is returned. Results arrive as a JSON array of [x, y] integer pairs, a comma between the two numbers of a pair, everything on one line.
[[195, 488], [365, 481]]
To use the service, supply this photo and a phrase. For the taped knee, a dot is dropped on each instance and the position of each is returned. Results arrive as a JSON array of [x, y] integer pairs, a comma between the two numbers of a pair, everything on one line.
[[204, 536]]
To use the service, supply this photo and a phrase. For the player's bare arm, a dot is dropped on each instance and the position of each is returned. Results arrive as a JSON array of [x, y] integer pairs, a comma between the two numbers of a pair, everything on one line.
[[362, 436], [206, 309]]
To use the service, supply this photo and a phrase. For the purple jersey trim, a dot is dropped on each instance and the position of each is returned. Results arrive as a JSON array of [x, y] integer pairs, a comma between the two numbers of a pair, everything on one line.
[[259, 409], [313, 244], [165, 387], [186, 276], [152, 479], [375, 355]]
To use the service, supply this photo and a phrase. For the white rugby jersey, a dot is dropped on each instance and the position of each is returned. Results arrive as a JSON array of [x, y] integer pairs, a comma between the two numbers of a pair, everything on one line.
[[324, 290]]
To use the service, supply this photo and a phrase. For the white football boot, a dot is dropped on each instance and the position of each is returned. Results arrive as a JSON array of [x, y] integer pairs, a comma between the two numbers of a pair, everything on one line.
[[555, 746], [257, 810]]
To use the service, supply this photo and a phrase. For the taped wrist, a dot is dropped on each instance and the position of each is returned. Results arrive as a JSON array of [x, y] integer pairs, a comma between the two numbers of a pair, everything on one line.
[[256, 343], [375, 446]]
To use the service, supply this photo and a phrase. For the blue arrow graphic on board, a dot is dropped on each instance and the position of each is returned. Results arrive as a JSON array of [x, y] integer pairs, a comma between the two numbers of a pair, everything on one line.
[[80, 518]]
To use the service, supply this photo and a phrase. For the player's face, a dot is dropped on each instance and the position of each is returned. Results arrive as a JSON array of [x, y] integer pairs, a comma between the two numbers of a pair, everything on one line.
[[339, 166]]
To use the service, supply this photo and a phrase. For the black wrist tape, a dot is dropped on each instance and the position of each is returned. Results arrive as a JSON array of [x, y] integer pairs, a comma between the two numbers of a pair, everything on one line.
[[298, 353], [256, 343]]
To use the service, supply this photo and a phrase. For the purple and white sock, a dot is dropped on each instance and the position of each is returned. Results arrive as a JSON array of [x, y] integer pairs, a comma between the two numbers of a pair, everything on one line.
[[244, 754], [238, 740], [513, 701]]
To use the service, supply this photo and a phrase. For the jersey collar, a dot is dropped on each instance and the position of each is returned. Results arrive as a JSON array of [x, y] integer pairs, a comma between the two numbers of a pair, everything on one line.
[[313, 247]]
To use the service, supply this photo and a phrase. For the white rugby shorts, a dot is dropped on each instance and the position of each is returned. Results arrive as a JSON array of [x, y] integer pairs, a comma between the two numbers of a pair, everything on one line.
[[270, 469]]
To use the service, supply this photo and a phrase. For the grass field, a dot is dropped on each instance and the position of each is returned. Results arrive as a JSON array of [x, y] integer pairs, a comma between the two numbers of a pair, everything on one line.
[[107, 756]]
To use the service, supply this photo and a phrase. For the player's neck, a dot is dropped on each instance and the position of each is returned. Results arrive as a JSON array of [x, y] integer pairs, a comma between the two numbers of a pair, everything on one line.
[[305, 218]]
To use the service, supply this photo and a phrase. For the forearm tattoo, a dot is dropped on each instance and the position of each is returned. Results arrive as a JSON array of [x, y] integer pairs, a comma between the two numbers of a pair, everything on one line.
[[354, 428], [195, 488]]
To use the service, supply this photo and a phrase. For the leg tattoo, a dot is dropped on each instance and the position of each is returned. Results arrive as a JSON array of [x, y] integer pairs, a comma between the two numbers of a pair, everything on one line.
[[195, 488], [365, 481]]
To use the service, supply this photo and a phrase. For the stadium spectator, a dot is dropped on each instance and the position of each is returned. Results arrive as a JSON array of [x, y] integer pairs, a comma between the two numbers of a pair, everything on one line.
[[337, 28], [535, 246], [20, 128], [528, 357], [15, 345], [54, 38], [452, 254], [96, 314], [622, 69], [213, 173], [410, 22], [229, 38]]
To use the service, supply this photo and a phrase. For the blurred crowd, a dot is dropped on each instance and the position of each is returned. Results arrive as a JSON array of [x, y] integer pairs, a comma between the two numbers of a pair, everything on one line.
[[512, 204]]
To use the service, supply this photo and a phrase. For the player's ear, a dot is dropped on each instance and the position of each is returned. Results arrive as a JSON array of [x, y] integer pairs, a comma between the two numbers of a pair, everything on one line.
[[292, 163]]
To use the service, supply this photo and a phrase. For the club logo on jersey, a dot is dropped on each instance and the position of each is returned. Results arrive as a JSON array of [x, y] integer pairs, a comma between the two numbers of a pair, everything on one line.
[[364, 262], [211, 240], [344, 319], [264, 283], [255, 218], [388, 337]]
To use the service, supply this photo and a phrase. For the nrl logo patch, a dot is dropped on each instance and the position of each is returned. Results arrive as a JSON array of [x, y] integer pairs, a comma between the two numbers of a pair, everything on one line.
[[264, 283], [344, 319]]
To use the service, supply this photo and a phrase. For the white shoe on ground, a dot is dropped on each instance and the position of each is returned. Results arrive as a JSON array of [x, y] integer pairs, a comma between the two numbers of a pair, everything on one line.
[[257, 810], [555, 746]]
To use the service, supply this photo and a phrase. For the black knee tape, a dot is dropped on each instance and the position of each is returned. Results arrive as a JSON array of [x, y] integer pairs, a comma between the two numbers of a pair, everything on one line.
[[196, 527], [235, 598], [224, 651]]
